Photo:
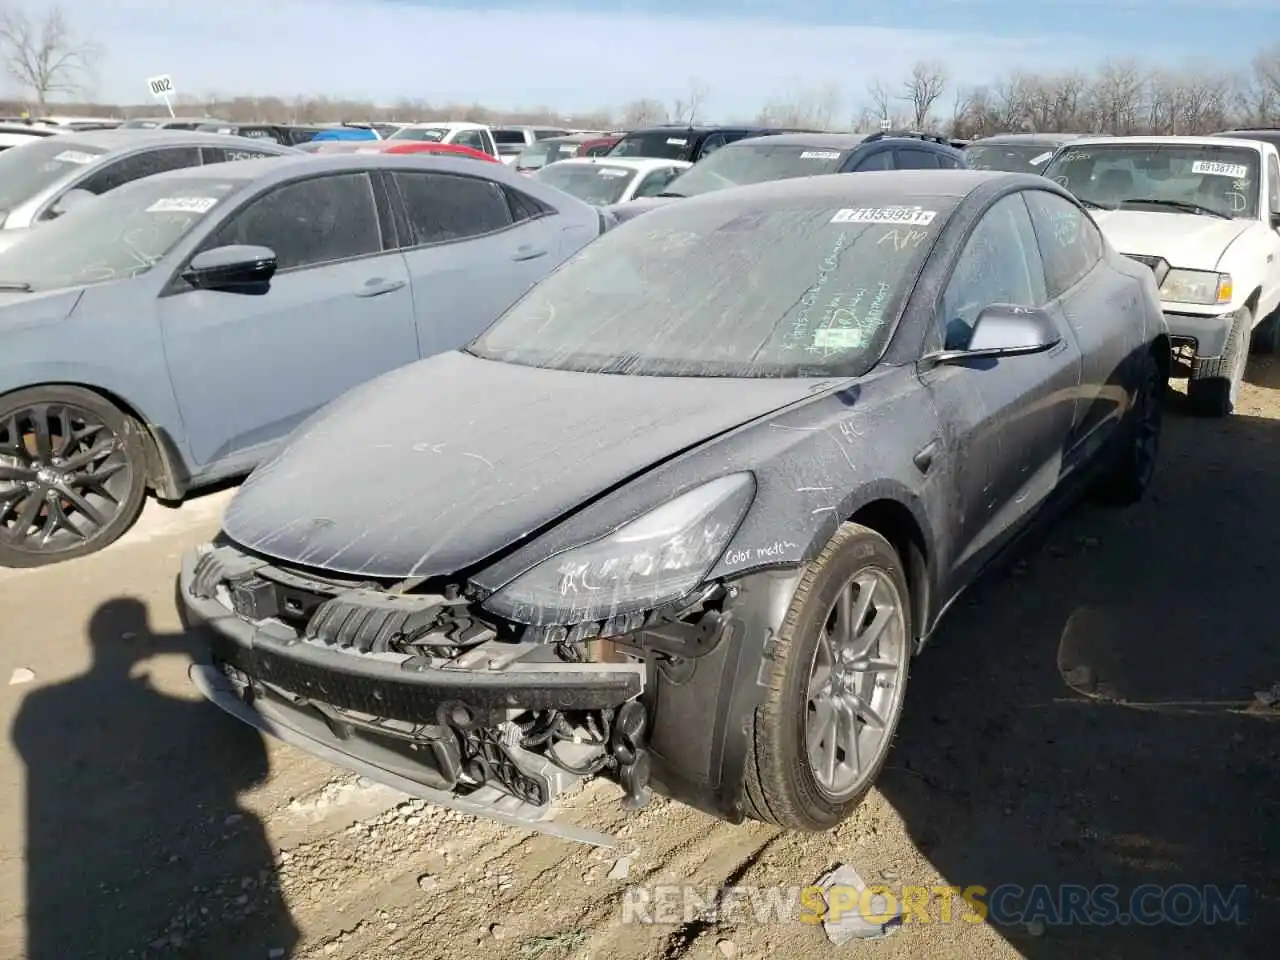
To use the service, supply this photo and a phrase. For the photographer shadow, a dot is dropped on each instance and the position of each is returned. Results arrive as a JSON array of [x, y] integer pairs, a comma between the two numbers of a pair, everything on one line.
[[135, 837]]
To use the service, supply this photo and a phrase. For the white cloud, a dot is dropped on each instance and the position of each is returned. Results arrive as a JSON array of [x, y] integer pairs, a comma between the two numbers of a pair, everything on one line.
[[380, 51]]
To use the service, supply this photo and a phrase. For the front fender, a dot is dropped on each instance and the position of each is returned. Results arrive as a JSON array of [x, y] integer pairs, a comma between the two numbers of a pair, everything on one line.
[[142, 393]]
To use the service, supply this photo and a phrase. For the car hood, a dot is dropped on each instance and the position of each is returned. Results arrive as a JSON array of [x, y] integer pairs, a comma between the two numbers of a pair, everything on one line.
[[32, 309], [1185, 240], [438, 465]]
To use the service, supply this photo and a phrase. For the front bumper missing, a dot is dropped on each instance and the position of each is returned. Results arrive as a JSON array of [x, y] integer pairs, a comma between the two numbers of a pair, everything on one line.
[[314, 737], [396, 717]]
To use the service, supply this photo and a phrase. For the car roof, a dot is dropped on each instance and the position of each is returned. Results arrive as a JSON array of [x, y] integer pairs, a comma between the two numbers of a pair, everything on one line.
[[822, 141], [110, 140], [1032, 139], [886, 188], [1206, 141], [35, 131], [274, 169], [695, 128], [639, 164], [449, 124]]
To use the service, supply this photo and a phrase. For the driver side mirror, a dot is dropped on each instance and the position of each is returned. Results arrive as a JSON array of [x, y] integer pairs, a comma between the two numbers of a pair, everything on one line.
[[236, 268], [70, 201], [1005, 330]]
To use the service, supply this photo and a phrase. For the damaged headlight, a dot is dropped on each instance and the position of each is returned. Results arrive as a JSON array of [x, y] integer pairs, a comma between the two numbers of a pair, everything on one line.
[[655, 559], [1196, 286]]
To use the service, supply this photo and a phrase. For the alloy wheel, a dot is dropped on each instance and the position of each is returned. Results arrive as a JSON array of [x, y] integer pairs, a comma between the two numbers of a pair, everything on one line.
[[856, 683], [64, 477]]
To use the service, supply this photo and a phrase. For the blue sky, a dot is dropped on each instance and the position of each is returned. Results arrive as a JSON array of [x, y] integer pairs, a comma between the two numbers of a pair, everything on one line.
[[581, 54]]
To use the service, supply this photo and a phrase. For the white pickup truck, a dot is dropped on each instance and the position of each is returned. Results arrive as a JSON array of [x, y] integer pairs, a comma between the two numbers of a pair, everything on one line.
[[1204, 214]]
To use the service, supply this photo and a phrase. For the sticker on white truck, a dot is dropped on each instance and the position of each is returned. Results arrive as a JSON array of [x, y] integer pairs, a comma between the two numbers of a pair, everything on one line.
[[1236, 171]]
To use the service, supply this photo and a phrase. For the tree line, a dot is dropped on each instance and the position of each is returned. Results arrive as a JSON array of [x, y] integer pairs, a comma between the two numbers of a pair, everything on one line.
[[55, 67]]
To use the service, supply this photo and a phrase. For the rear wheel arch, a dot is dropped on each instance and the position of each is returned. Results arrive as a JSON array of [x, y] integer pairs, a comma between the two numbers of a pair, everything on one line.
[[163, 466]]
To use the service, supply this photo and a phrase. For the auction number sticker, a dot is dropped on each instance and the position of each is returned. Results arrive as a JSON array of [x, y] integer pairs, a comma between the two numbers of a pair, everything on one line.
[[838, 338], [677, 142], [1037, 160], [820, 155], [75, 156], [614, 172], [1236, 171], [910, 216], [183, 205]]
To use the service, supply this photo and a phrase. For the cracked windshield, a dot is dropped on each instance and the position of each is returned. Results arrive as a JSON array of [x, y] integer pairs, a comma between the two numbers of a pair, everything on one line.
[[571, 480]]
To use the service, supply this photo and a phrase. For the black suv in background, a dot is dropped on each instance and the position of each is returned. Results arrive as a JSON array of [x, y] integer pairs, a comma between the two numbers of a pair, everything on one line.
[[1017, 152], [785, 155], [672, 141]]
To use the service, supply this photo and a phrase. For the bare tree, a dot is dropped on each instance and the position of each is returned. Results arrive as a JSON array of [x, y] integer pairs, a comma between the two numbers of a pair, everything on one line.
[[815, 108], [44, 55], [643, 113], [685, 109], [880, 101], [925, 86]]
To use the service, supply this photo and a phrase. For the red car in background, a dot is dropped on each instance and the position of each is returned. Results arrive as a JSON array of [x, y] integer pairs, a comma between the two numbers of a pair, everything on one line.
[[398, 147]]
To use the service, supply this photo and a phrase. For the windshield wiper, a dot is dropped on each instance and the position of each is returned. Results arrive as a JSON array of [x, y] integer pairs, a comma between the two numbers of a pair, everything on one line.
[[1093, 205], [1182, 205], [671, 193], [14, 286]]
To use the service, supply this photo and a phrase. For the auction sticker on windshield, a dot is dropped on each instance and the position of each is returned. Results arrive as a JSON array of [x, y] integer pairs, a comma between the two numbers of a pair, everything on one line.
[[820, 155], [677, 142], [183, 205], [75, 156], [914, 216], [1041, 158], [1236, 171], [614, 172], [839, 338]]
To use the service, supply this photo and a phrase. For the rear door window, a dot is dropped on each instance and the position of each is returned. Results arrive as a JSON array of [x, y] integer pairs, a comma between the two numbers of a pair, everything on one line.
[[441, 207], [909, 158]]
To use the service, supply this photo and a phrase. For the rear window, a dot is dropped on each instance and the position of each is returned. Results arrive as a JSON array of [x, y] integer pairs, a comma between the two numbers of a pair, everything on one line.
[[421, 134], [743, 163], [596, 183], [541, 154], [40, 164], [663, 145], [1014, 158], [509, 138]]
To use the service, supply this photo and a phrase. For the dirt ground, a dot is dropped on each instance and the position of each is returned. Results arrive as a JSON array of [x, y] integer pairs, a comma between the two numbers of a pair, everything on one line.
[[1086, 716]]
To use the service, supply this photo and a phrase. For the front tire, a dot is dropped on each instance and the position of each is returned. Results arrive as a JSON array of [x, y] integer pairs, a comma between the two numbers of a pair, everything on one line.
[[840, 666], [72, 475], [1214, 387]]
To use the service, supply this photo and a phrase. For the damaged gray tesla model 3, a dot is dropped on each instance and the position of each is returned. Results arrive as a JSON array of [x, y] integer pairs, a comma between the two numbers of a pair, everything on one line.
[[682, 516]]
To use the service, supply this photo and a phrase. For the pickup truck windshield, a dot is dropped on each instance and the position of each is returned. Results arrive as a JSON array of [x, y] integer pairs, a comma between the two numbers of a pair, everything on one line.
[[1175, 177]]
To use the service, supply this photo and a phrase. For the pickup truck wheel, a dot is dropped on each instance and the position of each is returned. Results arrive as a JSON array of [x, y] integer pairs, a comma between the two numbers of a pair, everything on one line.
[[839, 677], [1135, 463], [1214, 387], [72, 475]]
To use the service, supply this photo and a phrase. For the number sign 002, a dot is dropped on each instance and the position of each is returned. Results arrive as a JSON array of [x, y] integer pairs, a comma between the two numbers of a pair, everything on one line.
[[161, 86]]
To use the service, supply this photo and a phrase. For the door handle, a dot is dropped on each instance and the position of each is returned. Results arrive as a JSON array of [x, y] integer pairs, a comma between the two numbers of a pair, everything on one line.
[[529, 252], [378, 286], [924, 458]]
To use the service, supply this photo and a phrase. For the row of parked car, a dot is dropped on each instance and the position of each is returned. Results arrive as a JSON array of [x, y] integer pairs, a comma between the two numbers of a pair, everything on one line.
[[540, 488], [240, 250]]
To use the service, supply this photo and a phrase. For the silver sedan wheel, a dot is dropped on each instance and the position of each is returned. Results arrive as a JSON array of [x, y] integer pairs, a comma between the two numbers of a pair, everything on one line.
[[856, 683]]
